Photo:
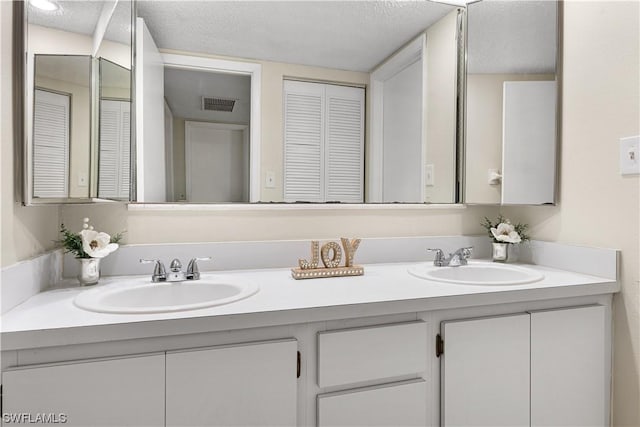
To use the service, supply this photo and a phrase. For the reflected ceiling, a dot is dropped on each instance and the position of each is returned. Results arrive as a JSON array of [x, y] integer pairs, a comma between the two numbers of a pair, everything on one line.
[[348, 35]]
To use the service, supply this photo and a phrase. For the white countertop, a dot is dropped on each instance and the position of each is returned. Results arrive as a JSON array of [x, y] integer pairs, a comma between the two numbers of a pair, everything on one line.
[[50, 318]]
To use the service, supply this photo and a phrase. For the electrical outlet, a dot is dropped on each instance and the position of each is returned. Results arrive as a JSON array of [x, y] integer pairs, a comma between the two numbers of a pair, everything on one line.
[[630, 155]]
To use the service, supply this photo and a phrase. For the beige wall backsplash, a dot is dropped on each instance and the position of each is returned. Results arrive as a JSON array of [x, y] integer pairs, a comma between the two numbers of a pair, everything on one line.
[[247, 224], [484, 132], [598, 206]]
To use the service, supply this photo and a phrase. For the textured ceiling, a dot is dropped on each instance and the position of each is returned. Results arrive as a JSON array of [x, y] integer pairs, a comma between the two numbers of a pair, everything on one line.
[[512, 36], [82, 16], [183, 90], [348, 35]]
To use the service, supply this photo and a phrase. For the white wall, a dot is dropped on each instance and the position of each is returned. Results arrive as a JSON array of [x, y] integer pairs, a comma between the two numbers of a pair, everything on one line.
[[26, 231], [598, 206]]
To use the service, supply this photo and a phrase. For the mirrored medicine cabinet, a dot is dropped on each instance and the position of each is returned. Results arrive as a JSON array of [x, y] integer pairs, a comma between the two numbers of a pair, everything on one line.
[[76, 74], [350, 102]]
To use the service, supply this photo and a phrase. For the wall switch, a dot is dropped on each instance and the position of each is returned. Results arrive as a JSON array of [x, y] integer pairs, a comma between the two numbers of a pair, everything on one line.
[[82, 179], [429, 176], [630, 155], [270, 179]]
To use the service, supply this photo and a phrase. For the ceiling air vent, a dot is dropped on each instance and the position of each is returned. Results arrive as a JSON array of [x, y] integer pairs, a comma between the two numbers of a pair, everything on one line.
[[210, 103]]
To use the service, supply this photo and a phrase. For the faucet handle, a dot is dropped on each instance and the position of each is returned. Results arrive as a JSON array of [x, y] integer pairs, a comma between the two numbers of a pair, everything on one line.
[[438, 252], [175, 265], [192, 269], [159, 273], [439, 258], [466, 252]]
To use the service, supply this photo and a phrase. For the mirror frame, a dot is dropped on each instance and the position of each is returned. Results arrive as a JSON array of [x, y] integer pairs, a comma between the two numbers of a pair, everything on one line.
[[23, 168], [463, 110]]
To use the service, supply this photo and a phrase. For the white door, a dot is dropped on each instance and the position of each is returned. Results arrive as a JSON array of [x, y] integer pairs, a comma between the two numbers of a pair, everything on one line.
[[240, 385], [402, 136], [397, 404], [217, 162], [125, 391], [485, 372], [569, 367], [150, 146], [529, 142]]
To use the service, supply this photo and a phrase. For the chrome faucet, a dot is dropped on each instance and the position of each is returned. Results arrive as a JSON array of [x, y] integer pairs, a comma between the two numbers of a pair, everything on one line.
[[175, 270], [456, 259]]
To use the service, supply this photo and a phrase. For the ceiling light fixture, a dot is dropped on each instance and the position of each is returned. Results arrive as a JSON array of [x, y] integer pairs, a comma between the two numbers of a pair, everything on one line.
[[47, 5]]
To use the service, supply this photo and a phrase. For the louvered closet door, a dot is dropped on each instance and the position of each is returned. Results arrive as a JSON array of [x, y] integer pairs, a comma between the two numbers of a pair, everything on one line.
[[51, 116], [113, 175], [303, 140], [344, 144], [323, 142], [125, 150]]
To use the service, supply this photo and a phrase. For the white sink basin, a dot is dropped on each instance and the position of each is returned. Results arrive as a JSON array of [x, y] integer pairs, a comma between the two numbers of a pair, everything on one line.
[[478, 273], [142, 296]]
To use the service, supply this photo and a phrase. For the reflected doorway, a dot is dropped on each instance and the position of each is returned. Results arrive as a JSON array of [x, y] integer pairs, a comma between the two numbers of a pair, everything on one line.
[[207, 120]]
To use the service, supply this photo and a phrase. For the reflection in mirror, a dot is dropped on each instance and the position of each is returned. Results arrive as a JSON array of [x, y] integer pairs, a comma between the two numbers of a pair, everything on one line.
[[511, 94], [307, 95], [61, 131], [61, 79], [114, 142]]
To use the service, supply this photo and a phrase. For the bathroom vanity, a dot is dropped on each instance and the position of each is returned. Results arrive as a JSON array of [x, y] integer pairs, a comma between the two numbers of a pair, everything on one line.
[[386, 348]]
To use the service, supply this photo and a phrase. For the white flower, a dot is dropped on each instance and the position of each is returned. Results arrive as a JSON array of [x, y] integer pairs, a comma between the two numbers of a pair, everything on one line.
[[505, 233], [96, 244]]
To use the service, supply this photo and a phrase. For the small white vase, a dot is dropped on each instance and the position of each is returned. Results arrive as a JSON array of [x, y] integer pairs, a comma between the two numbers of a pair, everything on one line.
[[89, 271], [500, 252]]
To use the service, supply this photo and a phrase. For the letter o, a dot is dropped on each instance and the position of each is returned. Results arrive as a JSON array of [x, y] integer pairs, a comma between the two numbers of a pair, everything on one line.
[[334, 261]]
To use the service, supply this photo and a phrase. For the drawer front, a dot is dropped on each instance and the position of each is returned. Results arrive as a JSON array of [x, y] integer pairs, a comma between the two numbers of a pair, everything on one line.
[[396, 404], [372, 353]]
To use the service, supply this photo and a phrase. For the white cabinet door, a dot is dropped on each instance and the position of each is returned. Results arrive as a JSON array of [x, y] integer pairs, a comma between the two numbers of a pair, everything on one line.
[[392, 405], [241, 385], [568, 367], [485, 372], [111, 392]]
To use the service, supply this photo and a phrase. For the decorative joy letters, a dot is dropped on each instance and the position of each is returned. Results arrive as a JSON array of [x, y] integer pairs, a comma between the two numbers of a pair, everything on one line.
[[331, 255]]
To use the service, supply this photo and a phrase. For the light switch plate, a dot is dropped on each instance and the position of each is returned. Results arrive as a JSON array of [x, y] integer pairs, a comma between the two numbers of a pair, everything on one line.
[[270, 179], [630, 155], [429, 178], [82, 179]]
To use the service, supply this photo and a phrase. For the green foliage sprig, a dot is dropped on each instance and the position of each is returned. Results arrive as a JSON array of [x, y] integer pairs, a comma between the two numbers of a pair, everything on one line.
[[72, 242], [520, 228]]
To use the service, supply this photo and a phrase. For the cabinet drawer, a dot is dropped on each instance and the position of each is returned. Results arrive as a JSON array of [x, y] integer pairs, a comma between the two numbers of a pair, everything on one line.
[[372, 353], [396, 404]]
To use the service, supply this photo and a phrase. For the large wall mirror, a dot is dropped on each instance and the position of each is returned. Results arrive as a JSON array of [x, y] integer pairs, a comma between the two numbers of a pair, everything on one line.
[[301, 101], [77, 74], [511, 102]]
